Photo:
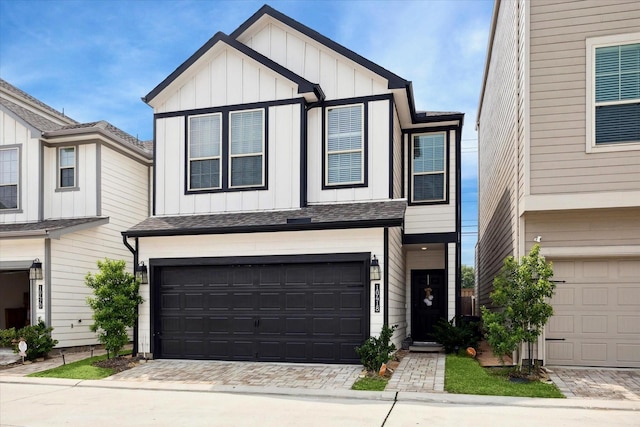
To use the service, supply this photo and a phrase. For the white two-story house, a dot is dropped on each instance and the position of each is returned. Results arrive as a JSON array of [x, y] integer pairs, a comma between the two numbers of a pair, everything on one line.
[[300, 202], [67, 191]]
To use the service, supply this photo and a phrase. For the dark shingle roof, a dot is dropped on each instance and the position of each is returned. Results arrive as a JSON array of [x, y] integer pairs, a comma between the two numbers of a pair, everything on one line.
[[114, 131], [47, 226], [34, 119], [22, 94], [336, 216]]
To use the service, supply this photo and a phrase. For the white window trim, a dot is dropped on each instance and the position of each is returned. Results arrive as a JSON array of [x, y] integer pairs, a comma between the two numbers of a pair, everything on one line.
[[17, 183], [361, 150], [218, 157], [443, 172], [261, 153], [59, 186], [591, 45]]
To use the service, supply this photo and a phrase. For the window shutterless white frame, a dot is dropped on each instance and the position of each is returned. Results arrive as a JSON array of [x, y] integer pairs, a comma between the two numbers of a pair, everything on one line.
[[351, 132], [432, 171], [204, 146], [10, 176], [591, 45], [67, 162], [243, 146]]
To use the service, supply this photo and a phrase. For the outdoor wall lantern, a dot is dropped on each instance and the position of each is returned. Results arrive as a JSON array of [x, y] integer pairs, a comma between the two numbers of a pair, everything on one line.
[[141, 274], [35, 271], [374, 271]]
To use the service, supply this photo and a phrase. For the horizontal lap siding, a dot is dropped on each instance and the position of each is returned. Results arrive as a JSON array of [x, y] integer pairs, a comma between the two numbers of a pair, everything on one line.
[[498, 139], [124, 197], [559, 163], [397, 289]]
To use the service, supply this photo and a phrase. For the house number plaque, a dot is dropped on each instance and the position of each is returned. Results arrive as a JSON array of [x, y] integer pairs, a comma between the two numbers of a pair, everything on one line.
[[377, 297], [40, 298]]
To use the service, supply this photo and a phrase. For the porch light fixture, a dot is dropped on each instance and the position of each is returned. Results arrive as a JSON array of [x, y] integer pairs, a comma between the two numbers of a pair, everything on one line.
[[35, 271], [141, 274], [374, 270]]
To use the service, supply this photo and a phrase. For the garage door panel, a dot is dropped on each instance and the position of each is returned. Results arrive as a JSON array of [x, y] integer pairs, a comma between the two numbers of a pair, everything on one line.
[[601, 325], [294, 312]]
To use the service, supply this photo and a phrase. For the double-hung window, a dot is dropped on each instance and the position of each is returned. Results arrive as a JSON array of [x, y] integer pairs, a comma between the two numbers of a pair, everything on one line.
[[428, 168], [613, 112], [67, 167], [9, 178], [247, 148], [205, 135], [344, 151]]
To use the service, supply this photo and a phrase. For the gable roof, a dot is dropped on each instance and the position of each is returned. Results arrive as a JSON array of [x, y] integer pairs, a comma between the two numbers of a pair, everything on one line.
[[38, 121], [20, 94], [304, 86]]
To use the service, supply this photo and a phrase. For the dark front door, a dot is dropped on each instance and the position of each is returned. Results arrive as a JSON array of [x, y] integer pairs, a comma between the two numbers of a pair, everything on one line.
[[428, 302], [306, 312]]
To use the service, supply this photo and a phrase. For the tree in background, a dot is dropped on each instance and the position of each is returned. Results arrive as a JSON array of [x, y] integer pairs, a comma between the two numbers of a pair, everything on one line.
[[520, 296], [468, 277], [114, 304]]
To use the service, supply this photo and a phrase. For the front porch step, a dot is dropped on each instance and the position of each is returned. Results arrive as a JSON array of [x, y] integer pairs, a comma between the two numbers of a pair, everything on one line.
[[425, 347]]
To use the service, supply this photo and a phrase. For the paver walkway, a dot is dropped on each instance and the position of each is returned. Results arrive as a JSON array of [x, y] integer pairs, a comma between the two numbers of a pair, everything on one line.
[[289, 375], [53, 361], [597, 383], [419, 372]]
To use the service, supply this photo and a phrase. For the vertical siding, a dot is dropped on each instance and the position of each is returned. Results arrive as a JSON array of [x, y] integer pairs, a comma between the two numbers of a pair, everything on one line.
[[397, 289], [397, 156], [13, 132], [125, 201], [498, 139], [559, 162]]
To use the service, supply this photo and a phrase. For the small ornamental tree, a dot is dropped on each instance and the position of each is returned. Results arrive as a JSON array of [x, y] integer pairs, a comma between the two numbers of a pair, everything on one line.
[[520, 296], [114, 303]]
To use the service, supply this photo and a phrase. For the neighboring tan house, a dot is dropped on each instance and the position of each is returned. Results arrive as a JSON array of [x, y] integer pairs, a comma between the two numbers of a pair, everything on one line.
[[67, 191], [559, 144], [287, 169]]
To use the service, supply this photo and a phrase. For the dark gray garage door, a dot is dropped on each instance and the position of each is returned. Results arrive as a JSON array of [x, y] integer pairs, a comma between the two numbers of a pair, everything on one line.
[[303, 312]]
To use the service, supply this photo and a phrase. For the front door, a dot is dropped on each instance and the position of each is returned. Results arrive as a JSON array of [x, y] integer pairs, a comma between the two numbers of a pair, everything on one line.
[[428, 302]]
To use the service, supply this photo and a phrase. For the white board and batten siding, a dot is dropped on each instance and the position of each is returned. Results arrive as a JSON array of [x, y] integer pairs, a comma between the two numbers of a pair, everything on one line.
[[338, 76], [80, 202], [436, 218], [14, 133], [283, 179], [125, 198], [260, 244]]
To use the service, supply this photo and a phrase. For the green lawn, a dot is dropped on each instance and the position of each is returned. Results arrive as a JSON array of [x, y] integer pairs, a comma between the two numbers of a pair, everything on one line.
[[465, 376], [80, 370], [370, 383]]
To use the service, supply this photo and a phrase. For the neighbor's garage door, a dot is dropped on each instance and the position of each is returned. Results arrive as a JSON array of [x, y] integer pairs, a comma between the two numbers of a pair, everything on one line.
[[312, 312], [596, 319]]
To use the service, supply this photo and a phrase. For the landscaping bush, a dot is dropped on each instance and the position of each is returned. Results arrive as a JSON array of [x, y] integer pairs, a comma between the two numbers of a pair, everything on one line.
[[37, 337], [456, 334], [376, 351]]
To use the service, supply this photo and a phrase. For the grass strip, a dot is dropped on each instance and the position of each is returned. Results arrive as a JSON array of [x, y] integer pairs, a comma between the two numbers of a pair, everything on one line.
[[370, 384], [464, 375], [79, 370]]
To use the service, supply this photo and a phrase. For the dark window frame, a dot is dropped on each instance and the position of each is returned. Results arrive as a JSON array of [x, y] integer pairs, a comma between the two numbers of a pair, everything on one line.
[[446, 172]]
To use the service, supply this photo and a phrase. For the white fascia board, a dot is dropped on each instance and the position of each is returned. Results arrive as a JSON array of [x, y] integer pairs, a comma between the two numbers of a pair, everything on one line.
[[576, 201], [590, 251]]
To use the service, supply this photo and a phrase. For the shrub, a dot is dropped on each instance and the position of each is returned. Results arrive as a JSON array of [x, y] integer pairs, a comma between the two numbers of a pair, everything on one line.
[[114, 304], [376, 351], [37, 337], [7, 336], [456, 334]]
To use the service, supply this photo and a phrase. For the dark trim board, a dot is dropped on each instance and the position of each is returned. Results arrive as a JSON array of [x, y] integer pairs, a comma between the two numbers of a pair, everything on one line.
[[450, 237], [230, 108], [447, 183], [386, 276], [269, 259]]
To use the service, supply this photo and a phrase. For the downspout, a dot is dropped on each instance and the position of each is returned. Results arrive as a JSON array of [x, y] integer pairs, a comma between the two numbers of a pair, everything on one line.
[[134, 351]]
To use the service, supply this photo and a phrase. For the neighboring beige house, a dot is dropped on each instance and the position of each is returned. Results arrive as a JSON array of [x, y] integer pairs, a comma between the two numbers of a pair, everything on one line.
[[67, 191], [559, 147], [289, 173]]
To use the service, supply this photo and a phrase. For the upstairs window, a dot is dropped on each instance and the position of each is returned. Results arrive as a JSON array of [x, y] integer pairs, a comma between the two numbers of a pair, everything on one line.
[[428, 168], [67, 167], [613, 114], [247, 148], [8, 178], [205, 134], [344, 152]]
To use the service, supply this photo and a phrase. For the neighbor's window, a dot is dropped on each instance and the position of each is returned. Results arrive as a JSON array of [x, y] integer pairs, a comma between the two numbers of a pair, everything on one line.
[[428, 168], [67, 167], [9, 178], [204, 151], [247, 148], [345, 145], [614, 83]]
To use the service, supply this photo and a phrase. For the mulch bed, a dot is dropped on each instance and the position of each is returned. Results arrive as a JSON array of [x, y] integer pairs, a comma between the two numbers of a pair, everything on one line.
[[119, 364]]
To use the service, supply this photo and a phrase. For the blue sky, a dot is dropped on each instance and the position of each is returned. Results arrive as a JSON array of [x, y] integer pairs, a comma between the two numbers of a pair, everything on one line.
[[94, 59]]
